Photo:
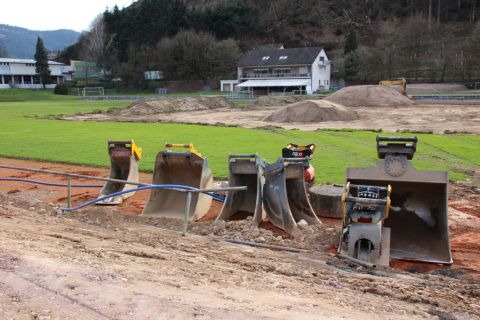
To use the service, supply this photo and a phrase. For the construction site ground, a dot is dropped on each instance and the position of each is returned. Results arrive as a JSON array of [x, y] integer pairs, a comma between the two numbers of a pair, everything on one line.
[[111, 263], [422, 116]]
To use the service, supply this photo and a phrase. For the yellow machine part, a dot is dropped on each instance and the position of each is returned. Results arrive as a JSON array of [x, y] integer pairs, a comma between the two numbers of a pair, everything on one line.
[[189, 146], [136, 150], [344, 204], [402, 82], [301, 148]]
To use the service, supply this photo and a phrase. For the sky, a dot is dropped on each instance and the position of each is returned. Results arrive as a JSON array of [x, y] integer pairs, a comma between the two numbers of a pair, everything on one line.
[[54, 14]]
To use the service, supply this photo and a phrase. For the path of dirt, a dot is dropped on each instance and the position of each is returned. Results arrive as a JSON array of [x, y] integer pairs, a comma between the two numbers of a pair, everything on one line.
[[420, 117], [109, 263]]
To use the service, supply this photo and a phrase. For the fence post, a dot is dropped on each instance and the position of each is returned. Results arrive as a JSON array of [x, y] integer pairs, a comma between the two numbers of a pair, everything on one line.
[[69, 192], [187, 214]]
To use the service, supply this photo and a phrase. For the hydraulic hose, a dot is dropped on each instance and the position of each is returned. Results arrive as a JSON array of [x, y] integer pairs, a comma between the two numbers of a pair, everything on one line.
[[161, 186]]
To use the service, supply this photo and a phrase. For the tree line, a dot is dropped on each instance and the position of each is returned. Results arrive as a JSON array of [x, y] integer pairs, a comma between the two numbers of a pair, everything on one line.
[[367, 40]]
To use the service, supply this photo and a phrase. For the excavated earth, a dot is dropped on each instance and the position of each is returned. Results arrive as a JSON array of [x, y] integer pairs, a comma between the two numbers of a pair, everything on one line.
[[421, 116], [111, 263]]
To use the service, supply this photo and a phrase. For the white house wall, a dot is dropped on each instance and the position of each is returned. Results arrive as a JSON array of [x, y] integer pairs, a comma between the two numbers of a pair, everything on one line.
[[321, 73], [21, 69]]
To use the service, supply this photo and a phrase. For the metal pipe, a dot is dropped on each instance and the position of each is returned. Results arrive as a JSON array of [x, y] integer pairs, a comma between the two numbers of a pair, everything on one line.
[[60, 173], [266, 246], [187, 214], [356, 261], [117, 180], [69, 192]]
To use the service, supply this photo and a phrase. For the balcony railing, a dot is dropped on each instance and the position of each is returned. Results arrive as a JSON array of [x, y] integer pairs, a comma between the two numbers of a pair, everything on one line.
[[273, 75]]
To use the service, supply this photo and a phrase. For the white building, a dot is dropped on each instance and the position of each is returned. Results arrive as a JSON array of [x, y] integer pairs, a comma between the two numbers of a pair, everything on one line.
[[228, 85], [282, 71], [20, 73]]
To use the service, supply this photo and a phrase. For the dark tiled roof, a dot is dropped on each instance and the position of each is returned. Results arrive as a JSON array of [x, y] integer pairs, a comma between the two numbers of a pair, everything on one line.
[[294, 56]]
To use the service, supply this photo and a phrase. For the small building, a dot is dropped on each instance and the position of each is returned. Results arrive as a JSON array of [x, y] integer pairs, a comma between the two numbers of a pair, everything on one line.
[[284, 71], [20, 73], [86, 71], [228, 85]]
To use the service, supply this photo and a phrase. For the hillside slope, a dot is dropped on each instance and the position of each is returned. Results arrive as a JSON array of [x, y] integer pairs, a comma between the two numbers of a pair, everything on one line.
[[20, 42]]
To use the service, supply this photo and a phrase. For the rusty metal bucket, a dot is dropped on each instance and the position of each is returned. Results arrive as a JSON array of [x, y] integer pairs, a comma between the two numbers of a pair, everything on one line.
[[179, 168], [244, 170], [124, 157], [285, 198], [419, 202]]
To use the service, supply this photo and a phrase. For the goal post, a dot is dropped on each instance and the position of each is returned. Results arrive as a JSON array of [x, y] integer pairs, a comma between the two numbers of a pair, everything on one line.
[[93, 91]]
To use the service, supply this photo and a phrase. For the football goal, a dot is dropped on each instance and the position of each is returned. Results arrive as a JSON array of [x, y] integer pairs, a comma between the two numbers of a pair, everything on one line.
[[93, 91]]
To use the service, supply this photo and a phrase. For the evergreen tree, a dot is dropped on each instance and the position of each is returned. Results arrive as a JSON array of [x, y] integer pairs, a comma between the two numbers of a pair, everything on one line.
[[351, 56], [41, 63], [350, 42]]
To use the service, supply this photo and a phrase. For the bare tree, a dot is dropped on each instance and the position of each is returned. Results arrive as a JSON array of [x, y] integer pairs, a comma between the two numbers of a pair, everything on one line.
[[98, 43]]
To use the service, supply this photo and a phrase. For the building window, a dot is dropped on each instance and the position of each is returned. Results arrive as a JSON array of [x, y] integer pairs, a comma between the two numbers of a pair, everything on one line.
[[282, 58], [265, 58], [282, 71], [322, 59]]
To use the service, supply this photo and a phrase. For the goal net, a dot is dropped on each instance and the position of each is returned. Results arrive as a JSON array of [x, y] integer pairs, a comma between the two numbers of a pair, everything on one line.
[[93, 91]]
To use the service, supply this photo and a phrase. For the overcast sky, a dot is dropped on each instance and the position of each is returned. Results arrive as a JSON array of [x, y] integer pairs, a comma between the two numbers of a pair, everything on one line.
[[54, 14]]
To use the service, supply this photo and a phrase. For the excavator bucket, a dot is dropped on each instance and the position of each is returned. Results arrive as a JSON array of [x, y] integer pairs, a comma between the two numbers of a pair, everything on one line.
[[244, 170], [418, 214], [179, 168], [124, 157], [285, 197]]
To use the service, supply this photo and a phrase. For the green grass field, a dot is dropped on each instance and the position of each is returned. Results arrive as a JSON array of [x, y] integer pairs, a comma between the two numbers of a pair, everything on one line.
[[25, 135]]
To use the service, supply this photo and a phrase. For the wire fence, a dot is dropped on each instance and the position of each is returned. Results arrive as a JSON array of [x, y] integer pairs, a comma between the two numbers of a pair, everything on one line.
[[140, 186]]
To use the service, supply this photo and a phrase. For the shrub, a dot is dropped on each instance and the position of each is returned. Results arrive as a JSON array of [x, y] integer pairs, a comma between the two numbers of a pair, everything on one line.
[[61, 88]]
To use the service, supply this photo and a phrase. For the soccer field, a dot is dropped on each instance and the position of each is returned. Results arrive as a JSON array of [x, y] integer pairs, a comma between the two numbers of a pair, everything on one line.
[[25, 133]]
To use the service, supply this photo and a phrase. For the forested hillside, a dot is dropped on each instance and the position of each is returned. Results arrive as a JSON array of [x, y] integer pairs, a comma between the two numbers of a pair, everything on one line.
[[368, 40], [20, 42]]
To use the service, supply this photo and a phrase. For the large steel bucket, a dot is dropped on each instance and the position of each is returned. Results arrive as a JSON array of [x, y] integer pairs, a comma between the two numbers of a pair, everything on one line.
[[419, 204], [124, 157], [285, 198], [180, 168], [244, 170]]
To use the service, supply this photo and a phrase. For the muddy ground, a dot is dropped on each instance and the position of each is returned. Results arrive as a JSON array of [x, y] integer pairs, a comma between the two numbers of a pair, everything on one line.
[[110, 263], [421, 117]]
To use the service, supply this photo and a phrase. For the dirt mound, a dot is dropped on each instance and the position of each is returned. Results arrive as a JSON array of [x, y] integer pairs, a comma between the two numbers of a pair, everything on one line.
[[272, 101], [312, 111], [154, 106], [370, 96]]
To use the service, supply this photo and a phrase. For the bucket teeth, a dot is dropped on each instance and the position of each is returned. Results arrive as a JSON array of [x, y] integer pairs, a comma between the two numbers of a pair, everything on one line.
[[124, 157], [419, 202], [285, 198], [244, 170], [179, 168]]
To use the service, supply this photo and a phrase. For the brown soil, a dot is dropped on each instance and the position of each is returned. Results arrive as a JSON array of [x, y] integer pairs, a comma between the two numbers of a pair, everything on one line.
[[419, 117], [271, 101], [108, 262], [309, 111], [370, 96], [154, 106]]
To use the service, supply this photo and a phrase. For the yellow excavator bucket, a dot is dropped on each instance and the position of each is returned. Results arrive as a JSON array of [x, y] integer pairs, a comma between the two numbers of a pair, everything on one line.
[[285, 197], [124, 157], [179, 168], [244, 170]]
